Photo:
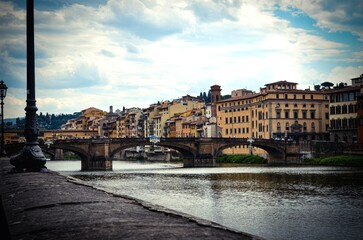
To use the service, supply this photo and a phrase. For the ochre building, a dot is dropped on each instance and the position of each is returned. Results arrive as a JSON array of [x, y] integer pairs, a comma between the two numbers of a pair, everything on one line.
[[279, 111]]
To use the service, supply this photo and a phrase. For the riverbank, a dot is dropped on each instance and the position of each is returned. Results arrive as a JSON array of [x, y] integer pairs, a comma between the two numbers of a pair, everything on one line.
[[243, 159], [342, 160], [51, 206]]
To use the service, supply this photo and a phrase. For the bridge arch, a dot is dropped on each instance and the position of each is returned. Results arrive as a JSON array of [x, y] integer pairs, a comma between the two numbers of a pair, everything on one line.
[[275, 152], [79, 151], [185, 150]]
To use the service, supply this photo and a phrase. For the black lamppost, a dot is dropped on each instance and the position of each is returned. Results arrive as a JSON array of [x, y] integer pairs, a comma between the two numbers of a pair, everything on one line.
[[3, 89], [31, 158]]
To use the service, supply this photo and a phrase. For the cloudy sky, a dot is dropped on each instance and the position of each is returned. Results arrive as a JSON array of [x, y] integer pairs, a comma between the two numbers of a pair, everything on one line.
[[136, 52]]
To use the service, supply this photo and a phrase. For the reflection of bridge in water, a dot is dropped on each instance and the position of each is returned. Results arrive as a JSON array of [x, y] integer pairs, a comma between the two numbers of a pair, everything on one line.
[[97, 154]]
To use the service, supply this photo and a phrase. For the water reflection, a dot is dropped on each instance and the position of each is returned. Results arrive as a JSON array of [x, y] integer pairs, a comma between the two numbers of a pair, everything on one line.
[[272, 202]]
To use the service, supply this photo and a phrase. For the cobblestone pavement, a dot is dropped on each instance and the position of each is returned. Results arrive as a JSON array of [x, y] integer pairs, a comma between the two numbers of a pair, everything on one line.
[[51, 206]]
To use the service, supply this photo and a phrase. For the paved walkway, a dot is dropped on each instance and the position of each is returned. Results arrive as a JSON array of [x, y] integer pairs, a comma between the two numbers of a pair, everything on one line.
[[51, 206]]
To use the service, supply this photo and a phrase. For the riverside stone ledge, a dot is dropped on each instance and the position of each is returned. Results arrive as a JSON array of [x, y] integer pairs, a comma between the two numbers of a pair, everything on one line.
[[51, 206]]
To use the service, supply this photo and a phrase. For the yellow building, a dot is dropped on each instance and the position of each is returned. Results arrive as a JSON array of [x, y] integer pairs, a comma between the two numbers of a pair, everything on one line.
[[343, 114], [278, 111], [14, 136], [67, 134], [158, 115]]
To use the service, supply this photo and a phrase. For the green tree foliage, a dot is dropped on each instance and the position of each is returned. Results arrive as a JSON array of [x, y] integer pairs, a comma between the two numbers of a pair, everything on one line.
[[47, 121], [317, 87], [327, 85]]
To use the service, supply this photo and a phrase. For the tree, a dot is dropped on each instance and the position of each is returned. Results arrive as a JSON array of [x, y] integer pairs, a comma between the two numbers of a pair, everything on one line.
[[327, 85], [317, 87]]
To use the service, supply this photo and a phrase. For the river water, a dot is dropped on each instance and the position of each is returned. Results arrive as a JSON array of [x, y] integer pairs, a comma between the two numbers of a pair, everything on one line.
[[270, 202]]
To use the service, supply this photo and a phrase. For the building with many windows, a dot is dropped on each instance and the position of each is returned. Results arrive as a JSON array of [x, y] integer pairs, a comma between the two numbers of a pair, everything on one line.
[[158, 116], [344, 112], [278, 111]]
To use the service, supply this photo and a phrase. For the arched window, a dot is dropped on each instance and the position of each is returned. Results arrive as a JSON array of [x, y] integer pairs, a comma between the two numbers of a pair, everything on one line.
[[345, 123], [344, 109], [338, 110], [312, 126], [278, 127], [287, 126], [304, 126]]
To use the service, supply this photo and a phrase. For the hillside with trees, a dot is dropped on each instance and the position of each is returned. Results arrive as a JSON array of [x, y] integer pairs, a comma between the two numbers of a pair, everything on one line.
[[45, 121]]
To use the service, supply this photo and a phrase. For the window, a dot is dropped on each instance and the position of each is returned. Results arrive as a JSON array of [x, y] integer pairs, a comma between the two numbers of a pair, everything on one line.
[[260, 115], [312, 114], [296, 114], [352, 96], [226, 120], [303, 96], [278, 114], [344, 123], [304, 126], [332, 110], [287, 126], [313, 127], [304, 115], [351, 108], [344, 109], [326, 115], [345, 97], [338, 110], [278, 127], [286, 96], [287, 115]]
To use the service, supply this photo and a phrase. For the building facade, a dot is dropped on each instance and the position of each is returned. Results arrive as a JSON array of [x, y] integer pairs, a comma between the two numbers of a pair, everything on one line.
[[345, 112], [279, 111]]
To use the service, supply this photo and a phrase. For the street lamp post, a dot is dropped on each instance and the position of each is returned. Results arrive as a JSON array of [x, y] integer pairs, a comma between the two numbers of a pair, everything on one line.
[[3, 89], [31, 158]]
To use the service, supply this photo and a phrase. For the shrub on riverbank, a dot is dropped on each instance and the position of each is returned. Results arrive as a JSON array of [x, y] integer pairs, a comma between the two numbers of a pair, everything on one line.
[[249, 159], [343, 160]]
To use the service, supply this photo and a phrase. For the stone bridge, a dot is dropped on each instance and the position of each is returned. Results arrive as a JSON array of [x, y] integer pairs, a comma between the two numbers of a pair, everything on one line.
[[97, 154]]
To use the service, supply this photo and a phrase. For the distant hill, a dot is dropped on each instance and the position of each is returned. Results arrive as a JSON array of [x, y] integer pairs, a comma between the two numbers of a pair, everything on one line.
[[45, 121], [10, 120]]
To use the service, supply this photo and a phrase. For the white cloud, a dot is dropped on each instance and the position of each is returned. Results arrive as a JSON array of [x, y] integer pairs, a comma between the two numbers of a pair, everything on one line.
[[344, 74], [335, 15], [134, 53]]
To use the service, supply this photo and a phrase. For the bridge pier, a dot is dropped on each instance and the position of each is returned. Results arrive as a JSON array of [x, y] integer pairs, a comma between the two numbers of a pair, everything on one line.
[[98, 158], [96, 164], [206, 161], [59, 154]]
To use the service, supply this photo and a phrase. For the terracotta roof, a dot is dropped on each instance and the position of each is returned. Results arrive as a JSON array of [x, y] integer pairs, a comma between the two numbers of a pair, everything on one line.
[[280, 82], [91, 109], [345, 89]]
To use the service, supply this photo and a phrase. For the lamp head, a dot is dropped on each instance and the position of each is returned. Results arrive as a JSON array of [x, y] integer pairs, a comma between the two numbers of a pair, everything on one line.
[[3, 89]]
